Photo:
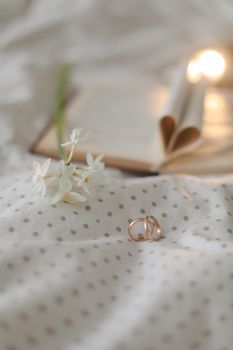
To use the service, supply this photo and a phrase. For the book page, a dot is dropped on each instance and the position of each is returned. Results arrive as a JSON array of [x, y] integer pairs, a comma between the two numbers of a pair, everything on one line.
[[174, 107], [215, 155], [187, 135], [123, 121], [182, 116]]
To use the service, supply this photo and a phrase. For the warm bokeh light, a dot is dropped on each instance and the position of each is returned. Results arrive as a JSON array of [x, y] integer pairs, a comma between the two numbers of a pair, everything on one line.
[[193, 71], [208, 63], [211, 63]]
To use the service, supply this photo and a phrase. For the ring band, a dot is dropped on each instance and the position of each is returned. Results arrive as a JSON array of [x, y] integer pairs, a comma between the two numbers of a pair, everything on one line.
[[152, 229], [140, 236]]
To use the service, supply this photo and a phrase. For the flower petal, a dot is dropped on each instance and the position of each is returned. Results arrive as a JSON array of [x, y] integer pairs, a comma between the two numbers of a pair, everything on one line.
[[99, 158], [89, 159], [36, 168], [73, 197], [69, 143], [58, 197], [39, 187], [85, 187], [65, 184], [68, 170], [45, 167]]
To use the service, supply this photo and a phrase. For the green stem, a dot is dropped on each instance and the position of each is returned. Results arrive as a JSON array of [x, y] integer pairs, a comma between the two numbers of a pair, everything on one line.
[[70, 156], [61, 93]]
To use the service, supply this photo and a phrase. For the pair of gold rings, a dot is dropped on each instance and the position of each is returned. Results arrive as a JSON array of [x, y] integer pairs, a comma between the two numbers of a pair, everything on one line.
[[151, 227]]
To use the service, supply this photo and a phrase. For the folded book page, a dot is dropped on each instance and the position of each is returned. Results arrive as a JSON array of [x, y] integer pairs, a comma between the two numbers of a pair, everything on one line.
[[182, 117], [215, 154]]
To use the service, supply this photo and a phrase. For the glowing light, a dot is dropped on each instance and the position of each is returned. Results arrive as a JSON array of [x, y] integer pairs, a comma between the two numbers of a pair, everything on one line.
[[207, 63], [193, 71], [211, 63]]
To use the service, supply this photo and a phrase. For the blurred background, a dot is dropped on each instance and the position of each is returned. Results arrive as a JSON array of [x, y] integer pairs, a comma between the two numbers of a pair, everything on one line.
[[105, 40]]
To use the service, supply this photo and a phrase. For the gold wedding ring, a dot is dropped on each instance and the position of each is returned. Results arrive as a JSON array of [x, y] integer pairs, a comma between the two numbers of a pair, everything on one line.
[[151, 226]]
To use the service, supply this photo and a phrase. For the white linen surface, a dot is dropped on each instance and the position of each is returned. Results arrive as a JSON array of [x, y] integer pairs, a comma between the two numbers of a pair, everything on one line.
[[69, 276]]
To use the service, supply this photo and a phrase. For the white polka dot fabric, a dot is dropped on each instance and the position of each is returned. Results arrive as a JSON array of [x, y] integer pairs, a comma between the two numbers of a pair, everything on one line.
[[70, 277]]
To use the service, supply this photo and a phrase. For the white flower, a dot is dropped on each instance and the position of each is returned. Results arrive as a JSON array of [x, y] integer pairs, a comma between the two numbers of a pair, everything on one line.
[[63, 170], [40, 171], [78, 135], [94, 165], [39, 177], [61, 187], [67, 182], [91, 175]]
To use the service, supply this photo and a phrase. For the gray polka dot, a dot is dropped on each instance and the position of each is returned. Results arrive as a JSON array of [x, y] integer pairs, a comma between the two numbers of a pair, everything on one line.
[[49, 330], [182, 325], [100, 305], [167, 338], [179, 295], [90, 285], [194, 346], [222, 318], [194, 313], [42, 308], [85, 313], [75, 292], [207, 333], [31, 339], [68, 322], [11, 347]]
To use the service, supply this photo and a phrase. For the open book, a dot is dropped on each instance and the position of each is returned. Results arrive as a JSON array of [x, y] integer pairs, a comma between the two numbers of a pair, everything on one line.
[[149, 129]]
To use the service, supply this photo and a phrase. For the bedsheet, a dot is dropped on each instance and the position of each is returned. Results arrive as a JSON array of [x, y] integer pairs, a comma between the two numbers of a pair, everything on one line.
[[70, 277]]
